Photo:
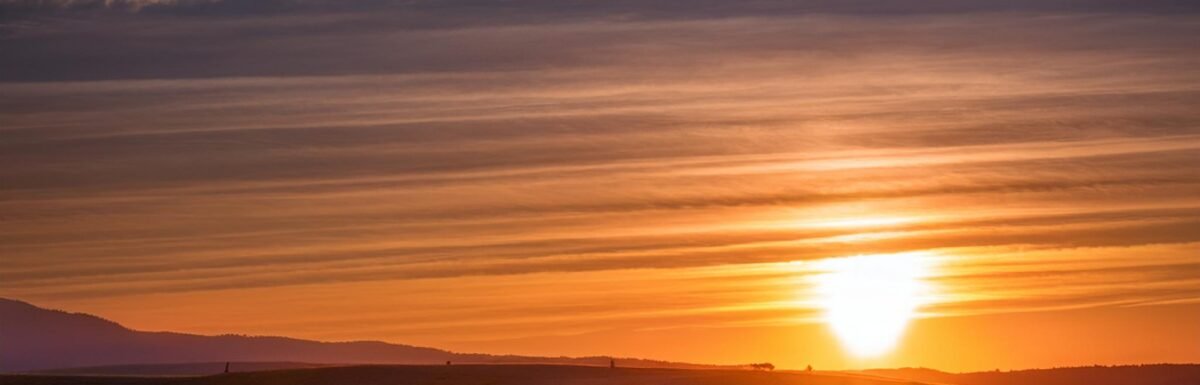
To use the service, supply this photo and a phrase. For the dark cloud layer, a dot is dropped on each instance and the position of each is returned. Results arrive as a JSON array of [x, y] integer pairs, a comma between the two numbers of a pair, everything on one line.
[[704, 8], [89, 40]]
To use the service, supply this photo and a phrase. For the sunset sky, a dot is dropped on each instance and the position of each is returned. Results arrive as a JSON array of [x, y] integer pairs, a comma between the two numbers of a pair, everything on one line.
[[964, 185]]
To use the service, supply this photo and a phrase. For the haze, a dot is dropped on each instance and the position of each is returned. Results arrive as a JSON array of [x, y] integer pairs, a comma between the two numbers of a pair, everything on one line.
[[698, 182]]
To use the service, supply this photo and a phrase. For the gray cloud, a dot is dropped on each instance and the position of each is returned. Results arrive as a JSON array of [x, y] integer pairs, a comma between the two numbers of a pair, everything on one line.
[[162, 39]]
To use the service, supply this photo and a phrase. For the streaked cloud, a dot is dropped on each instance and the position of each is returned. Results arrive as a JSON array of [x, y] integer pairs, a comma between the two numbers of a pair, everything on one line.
[[444, 178]]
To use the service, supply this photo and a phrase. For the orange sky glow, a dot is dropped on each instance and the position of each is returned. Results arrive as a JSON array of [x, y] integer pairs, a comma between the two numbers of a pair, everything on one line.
[[840, 191]]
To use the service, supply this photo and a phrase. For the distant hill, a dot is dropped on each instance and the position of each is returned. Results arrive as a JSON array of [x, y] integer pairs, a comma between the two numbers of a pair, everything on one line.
[[33, 338], [180, 369], [475, 375], [1161, 374]]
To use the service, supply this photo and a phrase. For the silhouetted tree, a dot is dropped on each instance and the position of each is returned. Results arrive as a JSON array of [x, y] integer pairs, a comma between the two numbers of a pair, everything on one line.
[[808, 368]]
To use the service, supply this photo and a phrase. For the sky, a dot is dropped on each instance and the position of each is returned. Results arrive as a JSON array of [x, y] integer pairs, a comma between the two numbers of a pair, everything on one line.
[[1015, 182]]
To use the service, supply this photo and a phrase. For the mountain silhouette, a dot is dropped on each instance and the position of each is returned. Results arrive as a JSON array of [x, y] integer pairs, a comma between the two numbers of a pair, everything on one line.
[[33, 339], [472, 375]]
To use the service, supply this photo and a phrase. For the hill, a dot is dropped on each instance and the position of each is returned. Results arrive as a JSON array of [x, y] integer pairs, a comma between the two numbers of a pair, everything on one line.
[[179, 369], [475, 375], [1161, 374], [40, 339]]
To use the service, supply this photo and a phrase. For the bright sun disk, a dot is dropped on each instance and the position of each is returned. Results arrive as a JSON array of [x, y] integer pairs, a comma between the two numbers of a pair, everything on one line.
[[868, 300]]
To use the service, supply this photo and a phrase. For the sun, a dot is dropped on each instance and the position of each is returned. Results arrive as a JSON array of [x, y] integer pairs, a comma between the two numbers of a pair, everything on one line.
[[868, 300]]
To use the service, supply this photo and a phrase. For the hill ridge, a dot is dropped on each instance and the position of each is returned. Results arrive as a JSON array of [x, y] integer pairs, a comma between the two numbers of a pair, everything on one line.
[[37, 339]]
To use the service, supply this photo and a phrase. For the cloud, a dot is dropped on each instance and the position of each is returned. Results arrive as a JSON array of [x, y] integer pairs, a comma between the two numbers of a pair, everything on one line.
[[341, 38], [290, 149]]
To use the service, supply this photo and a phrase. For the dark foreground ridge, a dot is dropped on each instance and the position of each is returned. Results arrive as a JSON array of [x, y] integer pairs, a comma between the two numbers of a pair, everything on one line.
[[591, 375], [472, 375], [1160, 374]]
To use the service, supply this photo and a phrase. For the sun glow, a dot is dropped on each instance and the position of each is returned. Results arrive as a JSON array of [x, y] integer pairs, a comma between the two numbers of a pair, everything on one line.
[[857, 223], [869, 300]]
